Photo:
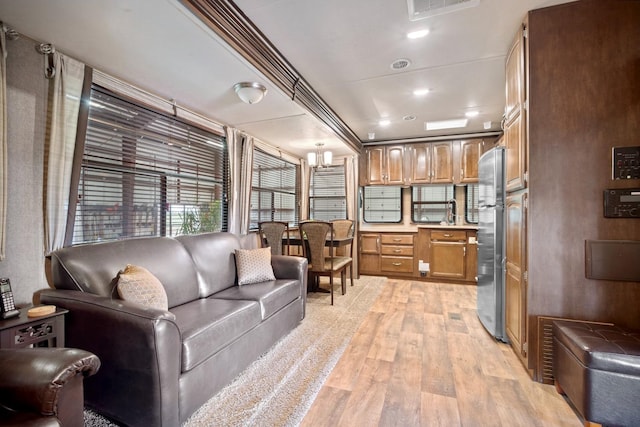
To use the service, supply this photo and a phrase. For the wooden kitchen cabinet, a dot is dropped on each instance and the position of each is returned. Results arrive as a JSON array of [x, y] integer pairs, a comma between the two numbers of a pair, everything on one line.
[[516, 272], [431, 163], [468, 164], [369, 261], [514, 126], [396, 253], [384, 165], [448, 254]]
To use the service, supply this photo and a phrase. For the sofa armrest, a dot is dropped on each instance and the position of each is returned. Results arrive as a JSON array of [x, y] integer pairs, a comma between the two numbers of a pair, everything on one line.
[[32, 379], [292, 267], [134, 342]]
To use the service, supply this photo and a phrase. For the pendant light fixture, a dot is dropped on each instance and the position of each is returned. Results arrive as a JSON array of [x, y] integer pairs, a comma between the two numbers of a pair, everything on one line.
[[320, 158]]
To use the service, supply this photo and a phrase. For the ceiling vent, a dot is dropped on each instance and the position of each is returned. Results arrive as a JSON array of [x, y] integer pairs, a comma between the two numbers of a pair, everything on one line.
[[420, 9], [400, 64]]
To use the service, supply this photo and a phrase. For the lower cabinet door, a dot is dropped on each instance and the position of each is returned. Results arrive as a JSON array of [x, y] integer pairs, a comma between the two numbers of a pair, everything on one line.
[[448, 260]]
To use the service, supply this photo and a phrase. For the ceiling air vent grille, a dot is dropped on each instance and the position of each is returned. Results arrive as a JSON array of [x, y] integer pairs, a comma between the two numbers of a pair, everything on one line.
[[419, 9]]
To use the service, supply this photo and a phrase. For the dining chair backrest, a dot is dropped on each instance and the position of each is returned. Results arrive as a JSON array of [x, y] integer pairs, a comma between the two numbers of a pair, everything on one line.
[[316, 234], [342, 228], [272, 234]]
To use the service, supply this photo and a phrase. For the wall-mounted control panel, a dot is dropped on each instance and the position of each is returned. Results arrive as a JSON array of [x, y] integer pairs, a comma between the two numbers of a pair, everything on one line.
[[626, 163], [622, 203]]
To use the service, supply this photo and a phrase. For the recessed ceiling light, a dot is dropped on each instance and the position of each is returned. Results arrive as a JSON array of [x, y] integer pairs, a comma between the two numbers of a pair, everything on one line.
[[384, 122], [446, 124], [372, 135], [417, 34], [421, 92], [471, 113]]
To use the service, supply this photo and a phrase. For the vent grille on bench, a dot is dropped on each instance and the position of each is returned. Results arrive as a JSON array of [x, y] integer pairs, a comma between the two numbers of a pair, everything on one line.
[[545, 346]]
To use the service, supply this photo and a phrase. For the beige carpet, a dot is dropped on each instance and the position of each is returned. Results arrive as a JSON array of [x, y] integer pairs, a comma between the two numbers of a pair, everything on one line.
[[279, 388]]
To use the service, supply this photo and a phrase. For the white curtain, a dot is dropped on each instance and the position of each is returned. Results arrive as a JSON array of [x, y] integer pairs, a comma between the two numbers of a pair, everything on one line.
[[3, 140], [305, 179], [234, 144], [64, 104], [351, 183], [246, 176]]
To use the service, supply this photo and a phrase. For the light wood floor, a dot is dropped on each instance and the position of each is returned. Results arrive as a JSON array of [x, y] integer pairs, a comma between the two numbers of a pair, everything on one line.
[[422, 358]]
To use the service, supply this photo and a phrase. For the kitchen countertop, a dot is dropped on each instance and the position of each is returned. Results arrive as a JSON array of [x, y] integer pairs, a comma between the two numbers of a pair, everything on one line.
[[412, 228]]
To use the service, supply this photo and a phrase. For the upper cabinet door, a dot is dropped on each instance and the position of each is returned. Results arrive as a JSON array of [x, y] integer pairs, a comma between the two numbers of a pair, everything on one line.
[[374, 165], [395, 164], [469, 156], [442, 163], [420, 160], [515, 77], [515, 135]]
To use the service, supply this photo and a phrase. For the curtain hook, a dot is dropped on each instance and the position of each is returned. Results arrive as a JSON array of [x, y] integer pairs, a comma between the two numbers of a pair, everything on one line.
[[47, 49]]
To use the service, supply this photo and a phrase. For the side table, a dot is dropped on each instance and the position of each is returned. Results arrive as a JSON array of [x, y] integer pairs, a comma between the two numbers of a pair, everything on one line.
[[24, 331]]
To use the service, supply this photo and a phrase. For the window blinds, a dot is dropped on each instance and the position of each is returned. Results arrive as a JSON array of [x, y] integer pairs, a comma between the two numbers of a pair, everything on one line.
[[147, 174]]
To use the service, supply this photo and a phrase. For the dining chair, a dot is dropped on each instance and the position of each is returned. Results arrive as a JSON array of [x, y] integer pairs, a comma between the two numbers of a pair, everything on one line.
[[319, 234], [272, 233]]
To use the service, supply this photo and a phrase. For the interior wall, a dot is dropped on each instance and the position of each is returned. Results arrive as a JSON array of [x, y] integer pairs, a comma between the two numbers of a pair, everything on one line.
[[26, 114], [584, 99]]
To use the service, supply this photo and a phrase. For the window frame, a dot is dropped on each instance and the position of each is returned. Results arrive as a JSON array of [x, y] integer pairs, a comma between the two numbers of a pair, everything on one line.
[[444, 202], [385, 209], [142, 133], [272, 193], [340, 199], [471, 210]]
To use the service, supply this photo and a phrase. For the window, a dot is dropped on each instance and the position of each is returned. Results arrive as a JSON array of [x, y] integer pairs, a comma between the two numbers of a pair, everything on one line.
[[275, 192], [471, 206], [382, 204], [147, 174], [432, 203], [327, 194]]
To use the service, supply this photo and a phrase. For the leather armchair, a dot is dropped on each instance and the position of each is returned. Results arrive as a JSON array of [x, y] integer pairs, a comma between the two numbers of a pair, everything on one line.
[[44, 386]]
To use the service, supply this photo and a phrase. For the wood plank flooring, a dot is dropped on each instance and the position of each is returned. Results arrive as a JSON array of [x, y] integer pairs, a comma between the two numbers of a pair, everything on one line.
[[422, 358]]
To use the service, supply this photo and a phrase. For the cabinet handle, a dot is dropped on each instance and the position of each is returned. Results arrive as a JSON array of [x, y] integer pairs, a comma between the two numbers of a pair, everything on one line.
[[448, 235], [464, 251], [396, 251], [396, 263], [397, 240]]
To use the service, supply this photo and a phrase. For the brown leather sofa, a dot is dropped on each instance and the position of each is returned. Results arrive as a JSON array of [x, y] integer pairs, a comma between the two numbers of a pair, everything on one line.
[[160, 366], [44, 386]]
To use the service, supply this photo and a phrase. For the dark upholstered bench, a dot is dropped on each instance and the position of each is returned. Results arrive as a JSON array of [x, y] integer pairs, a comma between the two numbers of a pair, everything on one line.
[[598, 368]]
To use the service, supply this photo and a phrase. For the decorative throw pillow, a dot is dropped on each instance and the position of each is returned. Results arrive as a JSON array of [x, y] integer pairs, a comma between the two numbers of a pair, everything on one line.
[[254, 265], [137, 284]]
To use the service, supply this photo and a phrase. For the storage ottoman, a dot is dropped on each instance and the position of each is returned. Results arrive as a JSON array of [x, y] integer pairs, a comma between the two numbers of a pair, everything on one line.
[[598, 368]]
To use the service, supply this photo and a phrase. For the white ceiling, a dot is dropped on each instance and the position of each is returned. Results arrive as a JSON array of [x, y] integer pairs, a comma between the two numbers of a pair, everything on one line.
[[342, 48]]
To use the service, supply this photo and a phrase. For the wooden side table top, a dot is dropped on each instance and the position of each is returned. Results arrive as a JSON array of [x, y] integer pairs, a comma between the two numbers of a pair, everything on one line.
[[23, 319]]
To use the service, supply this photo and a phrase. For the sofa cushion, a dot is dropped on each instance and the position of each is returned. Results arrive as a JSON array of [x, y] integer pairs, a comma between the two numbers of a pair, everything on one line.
[[136, 284], [208, 325], [254, 266], [272, 295]]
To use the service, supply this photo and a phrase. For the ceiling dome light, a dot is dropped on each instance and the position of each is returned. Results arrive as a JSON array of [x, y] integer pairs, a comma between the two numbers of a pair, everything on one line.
[[472, 113], [250, 92], [421, 92], [417, 34], [384, 122]]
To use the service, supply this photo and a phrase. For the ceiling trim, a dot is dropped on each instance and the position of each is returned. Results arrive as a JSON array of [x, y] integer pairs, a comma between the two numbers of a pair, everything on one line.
[[234, 27], [434, 138]]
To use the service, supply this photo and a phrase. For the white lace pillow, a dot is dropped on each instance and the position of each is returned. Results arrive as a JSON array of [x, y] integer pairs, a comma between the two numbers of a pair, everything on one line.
[[137, 284], [254, 266]]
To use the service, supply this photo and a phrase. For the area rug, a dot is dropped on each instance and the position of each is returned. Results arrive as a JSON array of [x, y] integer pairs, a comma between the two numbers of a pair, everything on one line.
[[279, 387]]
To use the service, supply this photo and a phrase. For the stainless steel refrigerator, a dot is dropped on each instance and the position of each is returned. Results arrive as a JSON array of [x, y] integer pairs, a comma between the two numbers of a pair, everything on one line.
[[491, 242]]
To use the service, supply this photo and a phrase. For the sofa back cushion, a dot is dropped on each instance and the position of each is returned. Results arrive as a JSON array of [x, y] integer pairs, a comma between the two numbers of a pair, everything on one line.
[[94, 268], [214, 257]]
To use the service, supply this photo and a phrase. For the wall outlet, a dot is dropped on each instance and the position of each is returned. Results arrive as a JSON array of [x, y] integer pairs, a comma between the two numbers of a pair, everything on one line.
[[423, 267]]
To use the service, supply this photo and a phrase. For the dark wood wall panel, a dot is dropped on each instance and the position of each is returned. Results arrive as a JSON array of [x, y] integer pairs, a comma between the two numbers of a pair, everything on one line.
[[584, 99]]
